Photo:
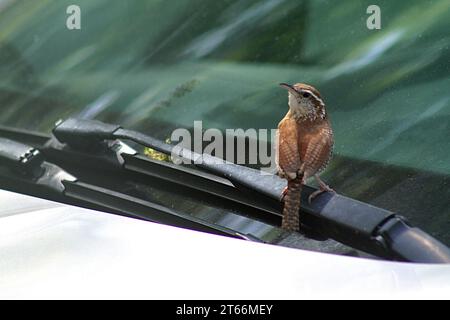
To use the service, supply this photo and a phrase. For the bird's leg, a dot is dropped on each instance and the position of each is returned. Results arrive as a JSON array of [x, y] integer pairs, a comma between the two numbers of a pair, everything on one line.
[[299, 173], [323, 187]]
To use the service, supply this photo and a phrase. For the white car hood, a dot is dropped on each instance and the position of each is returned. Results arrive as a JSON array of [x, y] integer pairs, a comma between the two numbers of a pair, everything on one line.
[[55, 251]]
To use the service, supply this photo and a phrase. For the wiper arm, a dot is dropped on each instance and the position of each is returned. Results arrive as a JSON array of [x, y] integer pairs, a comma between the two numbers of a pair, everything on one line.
[[90, 134]]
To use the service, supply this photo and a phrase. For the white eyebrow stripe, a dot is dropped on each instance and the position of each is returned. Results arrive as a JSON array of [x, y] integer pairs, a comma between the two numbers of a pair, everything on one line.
[[315, 97]]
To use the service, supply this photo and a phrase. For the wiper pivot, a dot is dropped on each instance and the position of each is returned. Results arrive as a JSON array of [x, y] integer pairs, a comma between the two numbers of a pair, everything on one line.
[[20, 157]]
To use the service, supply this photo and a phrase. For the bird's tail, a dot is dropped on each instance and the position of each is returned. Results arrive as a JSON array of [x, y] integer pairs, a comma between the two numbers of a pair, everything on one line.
[[291, 215]]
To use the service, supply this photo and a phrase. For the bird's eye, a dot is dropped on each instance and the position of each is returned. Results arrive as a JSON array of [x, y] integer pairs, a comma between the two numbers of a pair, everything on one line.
[[306, 95]]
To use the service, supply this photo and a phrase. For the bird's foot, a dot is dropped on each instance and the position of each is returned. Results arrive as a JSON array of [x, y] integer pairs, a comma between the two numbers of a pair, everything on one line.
[[283, 194], [322, 188], [298, 174], [281, 173]]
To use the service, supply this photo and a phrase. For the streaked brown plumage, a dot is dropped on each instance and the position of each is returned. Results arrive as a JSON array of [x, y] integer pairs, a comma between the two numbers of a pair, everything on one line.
[[304, 147]]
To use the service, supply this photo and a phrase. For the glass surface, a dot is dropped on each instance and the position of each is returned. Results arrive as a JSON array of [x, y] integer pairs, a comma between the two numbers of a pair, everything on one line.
[[158, 65]]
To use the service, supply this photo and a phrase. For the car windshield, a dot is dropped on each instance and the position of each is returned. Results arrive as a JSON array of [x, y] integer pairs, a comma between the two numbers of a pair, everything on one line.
[[155, 66]]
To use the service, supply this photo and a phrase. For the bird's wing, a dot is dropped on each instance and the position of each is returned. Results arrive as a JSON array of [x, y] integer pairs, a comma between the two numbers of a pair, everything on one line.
[[287, 153], [318, 151]]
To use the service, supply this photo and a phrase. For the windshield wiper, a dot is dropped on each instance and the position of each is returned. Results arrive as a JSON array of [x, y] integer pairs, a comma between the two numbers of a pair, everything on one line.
[[357, 224], [27, 164]]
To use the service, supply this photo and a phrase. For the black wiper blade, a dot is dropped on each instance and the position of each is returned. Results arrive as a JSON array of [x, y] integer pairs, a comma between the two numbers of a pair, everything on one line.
[[143, 209], [28, 165]]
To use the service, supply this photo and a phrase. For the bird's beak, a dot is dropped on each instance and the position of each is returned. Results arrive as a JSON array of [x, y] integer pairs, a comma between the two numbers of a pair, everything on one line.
[[289, 87]]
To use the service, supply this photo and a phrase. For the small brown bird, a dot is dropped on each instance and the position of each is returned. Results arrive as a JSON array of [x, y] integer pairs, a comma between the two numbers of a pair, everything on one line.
[[304, 148]]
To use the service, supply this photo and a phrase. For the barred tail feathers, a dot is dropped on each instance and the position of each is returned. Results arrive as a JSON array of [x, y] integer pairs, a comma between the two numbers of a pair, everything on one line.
[[291, 215]]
